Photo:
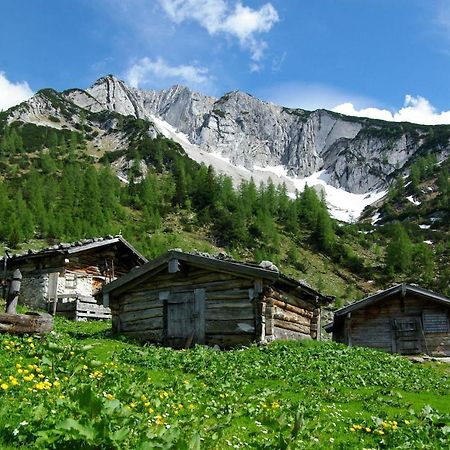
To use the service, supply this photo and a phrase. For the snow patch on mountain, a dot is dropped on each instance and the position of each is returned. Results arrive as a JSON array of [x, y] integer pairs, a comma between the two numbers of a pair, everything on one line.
[[412, 200], [343, 205]]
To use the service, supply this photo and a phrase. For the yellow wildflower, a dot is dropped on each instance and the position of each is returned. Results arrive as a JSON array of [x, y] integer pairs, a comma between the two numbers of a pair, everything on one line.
[[275, 404], [159, 420], [4, 386], [18, 366], [146, 404], [407, 422], [163, 395], [151, 410], [368, 429]]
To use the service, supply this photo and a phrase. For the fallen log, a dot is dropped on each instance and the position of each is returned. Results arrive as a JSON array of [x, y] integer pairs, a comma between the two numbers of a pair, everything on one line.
[[30, 323]]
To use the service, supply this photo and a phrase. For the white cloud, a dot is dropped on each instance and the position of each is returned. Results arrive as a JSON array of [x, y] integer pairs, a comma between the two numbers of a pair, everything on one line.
[[216, 16], [311, 96], [146, 71], [13, 93], [415, 110]]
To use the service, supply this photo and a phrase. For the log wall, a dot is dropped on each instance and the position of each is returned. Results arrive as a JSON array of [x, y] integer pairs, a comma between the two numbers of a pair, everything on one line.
[[373, 325], [230, 317], [288, 317]]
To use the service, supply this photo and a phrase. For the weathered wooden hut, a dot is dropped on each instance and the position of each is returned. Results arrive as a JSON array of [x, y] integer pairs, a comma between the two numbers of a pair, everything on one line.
[[181, 299], [71, 274], [404, 319]]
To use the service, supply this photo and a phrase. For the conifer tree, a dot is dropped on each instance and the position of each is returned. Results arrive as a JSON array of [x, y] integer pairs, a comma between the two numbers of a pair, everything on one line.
[[398, 251], [323, 233], [423, 263]]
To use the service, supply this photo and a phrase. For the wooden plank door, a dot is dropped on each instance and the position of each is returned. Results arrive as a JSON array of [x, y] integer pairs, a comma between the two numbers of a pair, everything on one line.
[[185, 318], [408, 335]]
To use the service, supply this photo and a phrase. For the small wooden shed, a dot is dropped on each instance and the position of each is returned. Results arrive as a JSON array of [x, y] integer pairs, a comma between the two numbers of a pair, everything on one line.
[[181, 299], [71, 274], [403, 319]]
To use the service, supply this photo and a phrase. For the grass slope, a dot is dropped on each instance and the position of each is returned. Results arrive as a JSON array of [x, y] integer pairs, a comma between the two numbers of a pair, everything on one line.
[[81, 388]]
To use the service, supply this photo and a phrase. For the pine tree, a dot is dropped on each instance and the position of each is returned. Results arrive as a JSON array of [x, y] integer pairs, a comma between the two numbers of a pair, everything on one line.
[[423, 263], [323, 233], [399, 251], [309, 207]]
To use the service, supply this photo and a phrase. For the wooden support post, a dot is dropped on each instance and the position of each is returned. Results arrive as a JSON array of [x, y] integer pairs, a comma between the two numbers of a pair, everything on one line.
[[13, 292], [52, 289], [348, 328], [5, 259]]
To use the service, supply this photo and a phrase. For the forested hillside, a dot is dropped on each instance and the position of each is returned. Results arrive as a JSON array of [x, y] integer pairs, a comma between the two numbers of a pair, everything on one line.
[[55, 186]]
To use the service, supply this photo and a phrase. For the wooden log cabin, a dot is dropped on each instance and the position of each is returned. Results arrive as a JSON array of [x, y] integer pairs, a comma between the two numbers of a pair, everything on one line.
[[181, 299], [404, 319], [71, 274]]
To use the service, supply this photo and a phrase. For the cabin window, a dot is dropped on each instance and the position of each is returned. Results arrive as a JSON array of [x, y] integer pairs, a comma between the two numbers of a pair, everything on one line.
[[435, 322], [71, 281]]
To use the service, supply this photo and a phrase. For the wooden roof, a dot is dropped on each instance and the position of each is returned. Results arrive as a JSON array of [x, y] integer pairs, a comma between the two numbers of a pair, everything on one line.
[[402, 289], [210, 262], [74, 248]]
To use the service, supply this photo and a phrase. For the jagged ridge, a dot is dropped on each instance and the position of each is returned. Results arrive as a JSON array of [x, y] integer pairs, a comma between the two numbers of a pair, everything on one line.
[[358, 155]]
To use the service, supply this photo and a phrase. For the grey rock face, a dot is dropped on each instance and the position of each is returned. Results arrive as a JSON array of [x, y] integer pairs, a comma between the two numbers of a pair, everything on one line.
[[38, 110], [252, 133], [84, 100]]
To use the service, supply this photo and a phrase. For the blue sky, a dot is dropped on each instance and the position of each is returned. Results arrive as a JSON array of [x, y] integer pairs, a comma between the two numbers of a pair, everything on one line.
[[381, 58]]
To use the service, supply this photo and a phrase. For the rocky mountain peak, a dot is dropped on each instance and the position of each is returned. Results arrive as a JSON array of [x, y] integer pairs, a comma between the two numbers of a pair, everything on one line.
[[356, 154]]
